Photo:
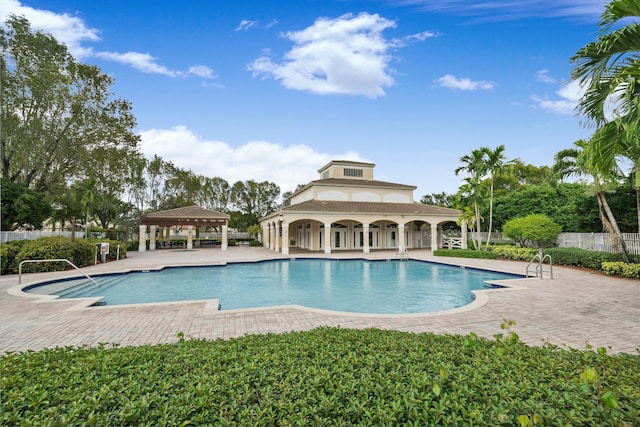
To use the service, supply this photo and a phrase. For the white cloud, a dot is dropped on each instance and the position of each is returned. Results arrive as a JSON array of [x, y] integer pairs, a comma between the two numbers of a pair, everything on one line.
[[457, 83], [67, 29], [346, 55], [568, 97], [140, 61], [74, 33], [512, 10], [245, 25], [287, 166], [422, 36], [543, 76]]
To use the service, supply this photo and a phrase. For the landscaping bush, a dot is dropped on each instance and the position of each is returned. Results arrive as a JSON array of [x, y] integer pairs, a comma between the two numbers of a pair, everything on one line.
[[132, 245], [80, 252], [582, 257], [113, 248], [9, 256], [621, 269], [515, 253], [327, 376], [465, 253], [254, 243]]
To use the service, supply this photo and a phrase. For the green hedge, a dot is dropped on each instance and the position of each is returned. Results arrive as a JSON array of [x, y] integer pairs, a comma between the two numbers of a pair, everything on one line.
[[515, 253], [582, 257], [327, 376], [113, 248], [9, 256], [80, 252], [621, 269], [465, 253]]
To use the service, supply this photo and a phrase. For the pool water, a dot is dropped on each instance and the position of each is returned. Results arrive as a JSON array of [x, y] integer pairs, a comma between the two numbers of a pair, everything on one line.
[[357, 286]]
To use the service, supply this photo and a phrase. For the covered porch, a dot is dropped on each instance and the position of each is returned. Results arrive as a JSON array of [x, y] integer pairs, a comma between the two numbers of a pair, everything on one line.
[[191, 217]]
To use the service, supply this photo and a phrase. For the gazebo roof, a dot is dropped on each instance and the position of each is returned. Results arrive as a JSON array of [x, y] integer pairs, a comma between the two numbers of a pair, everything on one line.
[[190, 215]]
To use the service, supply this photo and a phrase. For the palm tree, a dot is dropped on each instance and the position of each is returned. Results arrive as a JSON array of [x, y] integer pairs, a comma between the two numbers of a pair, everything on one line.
[[579, 161], [494, 163], [610, 69], [474, 165]]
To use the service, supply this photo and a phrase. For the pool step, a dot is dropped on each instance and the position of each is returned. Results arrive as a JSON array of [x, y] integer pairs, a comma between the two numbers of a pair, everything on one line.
[[87, 286]]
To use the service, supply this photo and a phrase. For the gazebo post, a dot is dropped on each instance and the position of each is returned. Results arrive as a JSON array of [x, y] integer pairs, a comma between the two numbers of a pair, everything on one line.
[[152, 237], [142, 238], [225, 237]]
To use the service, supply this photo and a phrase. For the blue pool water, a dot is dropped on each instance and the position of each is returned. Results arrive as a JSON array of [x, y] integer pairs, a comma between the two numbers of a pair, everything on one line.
[[356, 286]]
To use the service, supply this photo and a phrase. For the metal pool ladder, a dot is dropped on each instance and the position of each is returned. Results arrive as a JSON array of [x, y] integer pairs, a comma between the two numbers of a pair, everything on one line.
[[402, 252], [539, 263], [51, 260]]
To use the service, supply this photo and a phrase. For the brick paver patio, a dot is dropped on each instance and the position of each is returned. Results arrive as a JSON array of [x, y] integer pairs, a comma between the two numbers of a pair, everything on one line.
[[575, 308]]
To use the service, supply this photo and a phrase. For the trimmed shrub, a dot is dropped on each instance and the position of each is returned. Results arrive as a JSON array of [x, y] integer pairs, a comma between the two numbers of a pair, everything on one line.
[[582, 258], [113, 248], [327, 376], [80, 252], [9, 256], [254, 243], [514, 253], [465, 253], [621, 269], [538, 229]]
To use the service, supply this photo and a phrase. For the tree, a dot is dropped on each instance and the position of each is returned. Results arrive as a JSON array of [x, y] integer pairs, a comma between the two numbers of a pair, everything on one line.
[[55, 111], [471, 191], [22, 207], [609, 68], [580, 161], [255, 199], [494, 163], [567, 204], [439, 199], [537, 229]]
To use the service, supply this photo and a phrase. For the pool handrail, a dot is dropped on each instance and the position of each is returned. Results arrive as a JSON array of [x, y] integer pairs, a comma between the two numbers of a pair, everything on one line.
[[51, 260]]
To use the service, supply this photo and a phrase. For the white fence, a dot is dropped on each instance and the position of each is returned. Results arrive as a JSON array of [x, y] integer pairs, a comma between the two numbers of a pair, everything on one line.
[[590, 241], [599, 242], [7, 236]]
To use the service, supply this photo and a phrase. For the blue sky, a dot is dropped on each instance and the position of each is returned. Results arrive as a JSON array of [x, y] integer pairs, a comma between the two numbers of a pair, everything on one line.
[[273, 90]]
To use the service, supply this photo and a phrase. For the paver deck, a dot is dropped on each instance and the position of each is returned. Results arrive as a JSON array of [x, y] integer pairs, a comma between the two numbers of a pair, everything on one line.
[[574, 309]]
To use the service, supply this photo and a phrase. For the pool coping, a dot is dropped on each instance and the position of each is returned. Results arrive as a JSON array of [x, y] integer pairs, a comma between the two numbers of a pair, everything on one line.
[[480, 296], [576, 308]]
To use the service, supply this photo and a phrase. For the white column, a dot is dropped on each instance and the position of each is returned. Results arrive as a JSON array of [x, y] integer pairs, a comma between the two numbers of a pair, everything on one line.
[[272, 236], [327, 238], [225, 237], [365, 236], [401, 243], [276, 241], [190, 237], [152, 237], [434, 237], [142, 239], [285, 238], [465, 227]]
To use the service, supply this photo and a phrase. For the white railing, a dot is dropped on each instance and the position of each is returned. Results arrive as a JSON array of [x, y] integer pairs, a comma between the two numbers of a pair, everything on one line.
[[7, 236], [599, 242]]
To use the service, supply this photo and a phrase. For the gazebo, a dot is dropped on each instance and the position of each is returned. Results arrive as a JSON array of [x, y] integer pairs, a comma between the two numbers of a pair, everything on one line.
[[190, 216]]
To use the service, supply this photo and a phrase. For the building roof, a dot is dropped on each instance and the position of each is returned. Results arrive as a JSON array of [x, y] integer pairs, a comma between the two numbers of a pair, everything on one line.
[[190, 215], [347, 182], [370, 207], [346, 163]]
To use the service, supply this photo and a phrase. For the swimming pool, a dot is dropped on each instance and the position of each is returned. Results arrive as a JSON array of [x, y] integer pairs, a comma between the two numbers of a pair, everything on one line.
[[357, 286]]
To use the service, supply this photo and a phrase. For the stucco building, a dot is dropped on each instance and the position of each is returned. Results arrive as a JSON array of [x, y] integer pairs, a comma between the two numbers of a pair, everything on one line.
[[347, 209]]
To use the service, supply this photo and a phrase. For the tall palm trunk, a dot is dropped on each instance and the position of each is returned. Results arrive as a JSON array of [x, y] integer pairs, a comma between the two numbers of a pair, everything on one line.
[[614, 225], [490, 215]]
